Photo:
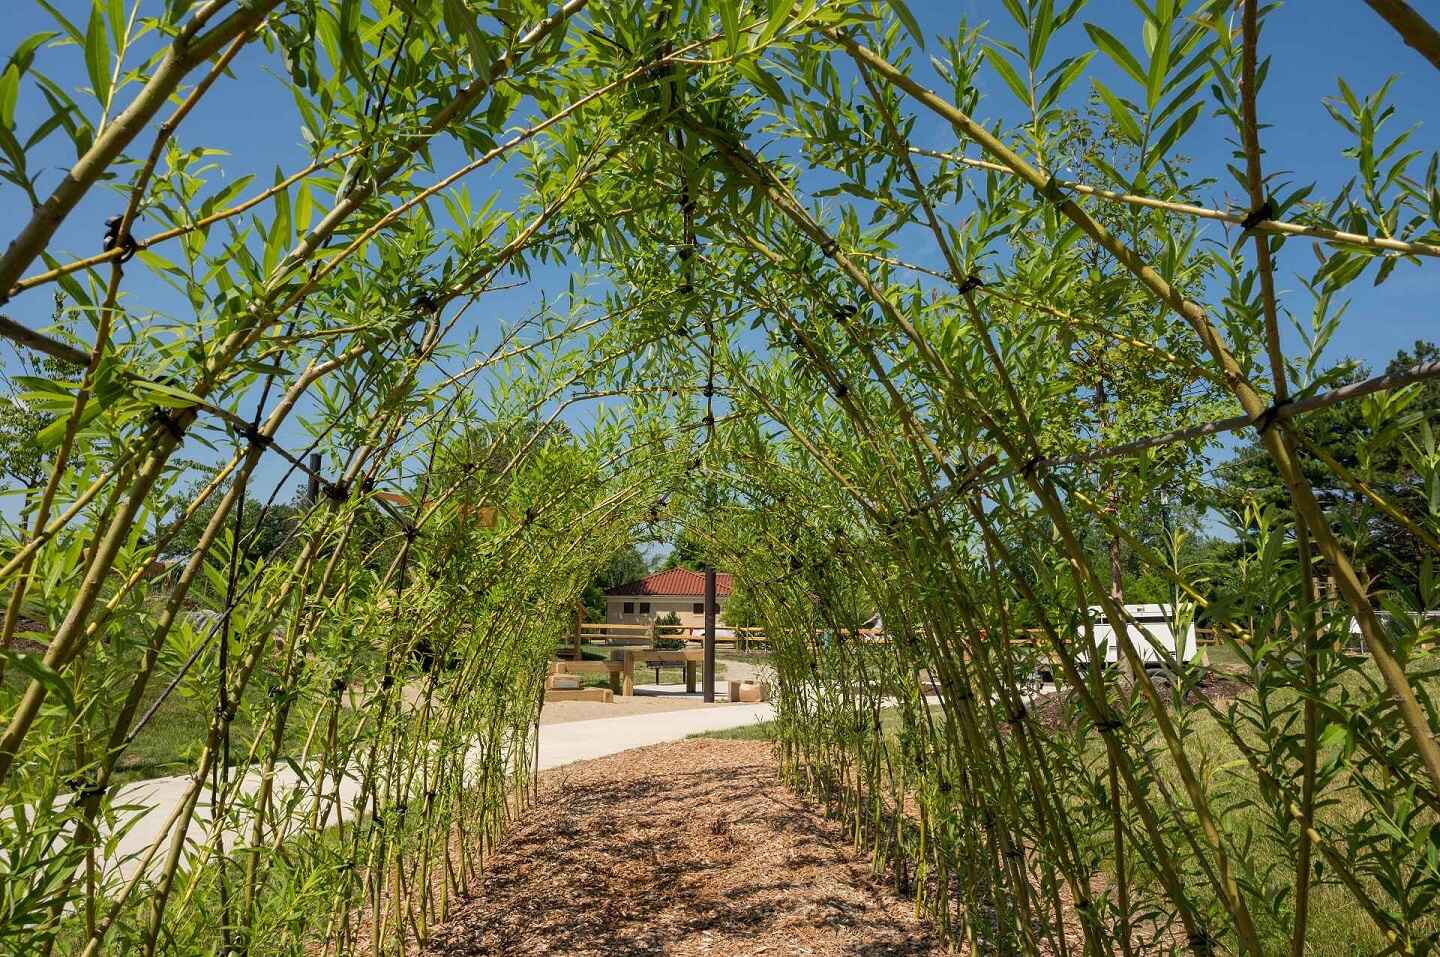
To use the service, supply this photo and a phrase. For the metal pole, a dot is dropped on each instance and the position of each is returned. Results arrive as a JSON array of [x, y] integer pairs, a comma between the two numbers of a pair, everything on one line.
[[709, 633], [313, 492]]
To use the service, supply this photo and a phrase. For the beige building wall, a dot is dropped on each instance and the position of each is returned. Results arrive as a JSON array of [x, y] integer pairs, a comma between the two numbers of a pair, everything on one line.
[[644, 609]]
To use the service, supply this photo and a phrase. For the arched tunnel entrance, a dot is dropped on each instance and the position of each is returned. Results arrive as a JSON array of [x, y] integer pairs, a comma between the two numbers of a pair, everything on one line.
[[1043, 386]]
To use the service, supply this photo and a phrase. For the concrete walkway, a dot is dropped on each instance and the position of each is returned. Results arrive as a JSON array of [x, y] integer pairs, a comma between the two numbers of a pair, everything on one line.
[[582, 740], [153, 803]]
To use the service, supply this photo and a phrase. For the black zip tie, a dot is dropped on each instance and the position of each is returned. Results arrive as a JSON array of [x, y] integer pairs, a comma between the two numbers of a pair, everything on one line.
[[337, 491], [1201, 943], [1082, 904], [1031, 465], [1019, 715], [387, 682], [1109, 724], [367, 484], [828, 247], [163, 419], [971, 283], [411, 533], [841, 390], [255, 437], [344, 866], [966, 695], [225, 713], [338, 686], [1258, 215], [127, 244], [1266, 420], [85, 788], [426, 304]]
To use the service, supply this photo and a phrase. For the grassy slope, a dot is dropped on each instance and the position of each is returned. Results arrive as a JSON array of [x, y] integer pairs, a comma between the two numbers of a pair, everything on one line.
[[1338, 926]]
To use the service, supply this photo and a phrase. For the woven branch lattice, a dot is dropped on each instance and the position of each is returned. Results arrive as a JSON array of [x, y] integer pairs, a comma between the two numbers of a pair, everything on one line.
[[863, 369]]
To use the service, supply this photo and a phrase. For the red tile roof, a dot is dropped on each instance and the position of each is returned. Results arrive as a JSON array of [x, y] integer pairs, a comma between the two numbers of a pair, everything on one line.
[[676, 581]]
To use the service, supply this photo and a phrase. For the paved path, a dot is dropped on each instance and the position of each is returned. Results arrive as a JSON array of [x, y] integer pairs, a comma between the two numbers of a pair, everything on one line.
[[582, 740], [155, 800]]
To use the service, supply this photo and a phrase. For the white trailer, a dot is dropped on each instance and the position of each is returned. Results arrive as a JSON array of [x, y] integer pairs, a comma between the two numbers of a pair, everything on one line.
[[1152, 629]]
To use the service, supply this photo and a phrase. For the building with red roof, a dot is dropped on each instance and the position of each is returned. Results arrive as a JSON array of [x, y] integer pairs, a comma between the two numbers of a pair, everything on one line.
[[677, 590]]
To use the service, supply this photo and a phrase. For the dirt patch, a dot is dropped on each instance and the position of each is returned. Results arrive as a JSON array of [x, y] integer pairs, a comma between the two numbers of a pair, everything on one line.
[[24, 641], [1056, 709], [679, 849]]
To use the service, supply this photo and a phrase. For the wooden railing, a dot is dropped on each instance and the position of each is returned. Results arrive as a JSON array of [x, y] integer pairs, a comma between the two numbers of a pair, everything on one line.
[[603, 632], [740, 638]]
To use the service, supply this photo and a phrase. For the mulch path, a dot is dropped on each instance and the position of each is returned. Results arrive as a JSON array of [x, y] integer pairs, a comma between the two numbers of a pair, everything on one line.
[[688, 848]]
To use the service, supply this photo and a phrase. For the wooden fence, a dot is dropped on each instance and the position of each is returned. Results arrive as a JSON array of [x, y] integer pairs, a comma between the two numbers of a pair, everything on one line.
[[599, 632]]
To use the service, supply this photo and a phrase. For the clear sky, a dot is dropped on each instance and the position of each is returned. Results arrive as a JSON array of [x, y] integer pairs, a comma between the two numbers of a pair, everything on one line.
[[1311, 41]]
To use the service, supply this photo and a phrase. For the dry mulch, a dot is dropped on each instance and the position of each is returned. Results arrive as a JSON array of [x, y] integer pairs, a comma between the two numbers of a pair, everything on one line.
[[1053, 710], [688, 848]]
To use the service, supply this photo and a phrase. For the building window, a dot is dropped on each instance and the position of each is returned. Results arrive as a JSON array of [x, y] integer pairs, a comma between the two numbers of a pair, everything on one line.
[[644, 608], [698, 608], [629, 608]]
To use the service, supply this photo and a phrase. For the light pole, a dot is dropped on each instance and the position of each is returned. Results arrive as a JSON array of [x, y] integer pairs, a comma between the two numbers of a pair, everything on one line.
[[709, 666]]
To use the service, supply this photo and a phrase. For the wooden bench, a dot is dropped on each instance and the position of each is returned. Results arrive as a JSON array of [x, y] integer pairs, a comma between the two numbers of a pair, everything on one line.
[[610, 668], [626, 658]]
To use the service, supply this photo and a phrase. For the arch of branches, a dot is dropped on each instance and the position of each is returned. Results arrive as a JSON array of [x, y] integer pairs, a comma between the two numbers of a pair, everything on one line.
[[948, 384]]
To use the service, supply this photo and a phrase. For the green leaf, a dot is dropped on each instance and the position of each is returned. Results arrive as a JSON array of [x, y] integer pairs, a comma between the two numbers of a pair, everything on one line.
[[1068, 73], [1116, 51], [730, 23], [1008, 74], [349, 37], [51, 680], [9, 93], [1119, 112], [117, 22], [1176, 130], [902, 12], [1159, 66], [97, 55], [71, 30], [164, 395], [24, 54], [779, 10]]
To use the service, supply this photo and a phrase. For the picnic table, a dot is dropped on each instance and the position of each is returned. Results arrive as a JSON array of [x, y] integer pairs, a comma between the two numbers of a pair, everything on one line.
[[621, 666]]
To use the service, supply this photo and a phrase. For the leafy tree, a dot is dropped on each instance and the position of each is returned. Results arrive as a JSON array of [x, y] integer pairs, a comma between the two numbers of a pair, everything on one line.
[[741, 609], [264, 531], [1374, 439], [623, 566], [685, 552], [24, 461]]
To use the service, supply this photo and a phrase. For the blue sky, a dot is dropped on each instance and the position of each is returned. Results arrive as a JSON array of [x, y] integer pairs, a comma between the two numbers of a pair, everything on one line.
[[1311, 42]]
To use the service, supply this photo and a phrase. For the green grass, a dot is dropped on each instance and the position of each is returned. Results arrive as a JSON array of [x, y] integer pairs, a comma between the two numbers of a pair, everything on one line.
[[759, 731], [171, 741], [1338, 926]]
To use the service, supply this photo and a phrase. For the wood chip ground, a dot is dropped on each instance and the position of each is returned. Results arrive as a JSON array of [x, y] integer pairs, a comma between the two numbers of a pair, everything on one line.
[[688, 848]]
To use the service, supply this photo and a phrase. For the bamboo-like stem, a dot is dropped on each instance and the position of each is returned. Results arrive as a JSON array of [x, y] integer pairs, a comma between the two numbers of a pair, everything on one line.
[[1416, 723], [1413, 28], [1274, 227], [189, 49]]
